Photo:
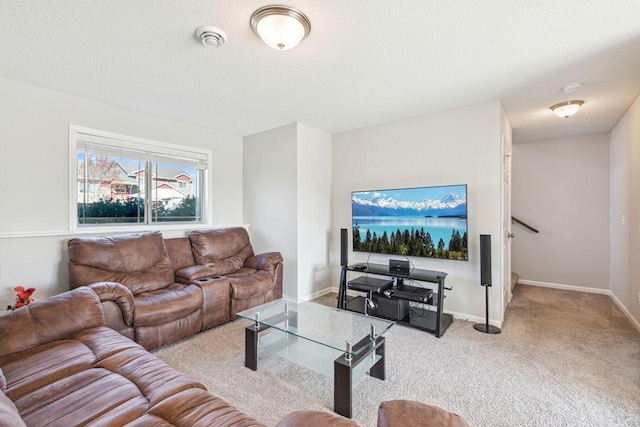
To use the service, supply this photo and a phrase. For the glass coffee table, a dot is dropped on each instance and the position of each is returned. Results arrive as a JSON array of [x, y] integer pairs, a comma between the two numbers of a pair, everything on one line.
[[337, 343]]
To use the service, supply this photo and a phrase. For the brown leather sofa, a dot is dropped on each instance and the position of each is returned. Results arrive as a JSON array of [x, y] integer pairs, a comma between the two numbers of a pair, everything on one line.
[[60, 365], [157, 297]]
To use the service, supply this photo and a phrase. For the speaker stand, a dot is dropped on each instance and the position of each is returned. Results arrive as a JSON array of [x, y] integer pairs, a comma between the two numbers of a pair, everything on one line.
[[486, 327]]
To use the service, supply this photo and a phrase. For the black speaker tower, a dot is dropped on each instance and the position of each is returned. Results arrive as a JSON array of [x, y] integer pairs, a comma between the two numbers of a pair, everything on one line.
[[485, 280], [344, 242]]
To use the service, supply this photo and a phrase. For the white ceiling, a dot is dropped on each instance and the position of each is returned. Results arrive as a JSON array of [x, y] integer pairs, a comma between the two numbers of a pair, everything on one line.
[[365, 61]]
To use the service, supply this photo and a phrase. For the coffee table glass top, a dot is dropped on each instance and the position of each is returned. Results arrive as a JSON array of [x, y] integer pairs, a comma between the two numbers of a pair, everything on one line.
[[328, 326]]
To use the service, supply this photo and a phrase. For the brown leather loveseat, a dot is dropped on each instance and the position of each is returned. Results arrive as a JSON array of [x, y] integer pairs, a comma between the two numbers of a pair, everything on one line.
[[60, 365], [157, 297]]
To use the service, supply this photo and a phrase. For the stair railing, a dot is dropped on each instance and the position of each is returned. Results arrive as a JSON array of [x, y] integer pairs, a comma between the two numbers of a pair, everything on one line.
[[524, 224]]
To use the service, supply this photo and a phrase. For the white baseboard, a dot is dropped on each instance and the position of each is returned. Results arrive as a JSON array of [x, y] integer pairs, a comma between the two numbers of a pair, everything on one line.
[[564, 287], [626, 312], [320, 293], [608, 292], [474, 319]]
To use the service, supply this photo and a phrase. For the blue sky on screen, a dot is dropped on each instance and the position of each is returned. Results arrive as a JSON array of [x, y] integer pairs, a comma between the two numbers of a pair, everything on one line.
[[413, 194]]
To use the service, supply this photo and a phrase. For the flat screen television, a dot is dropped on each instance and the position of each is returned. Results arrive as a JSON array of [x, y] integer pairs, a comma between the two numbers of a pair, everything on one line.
[[423, 222]]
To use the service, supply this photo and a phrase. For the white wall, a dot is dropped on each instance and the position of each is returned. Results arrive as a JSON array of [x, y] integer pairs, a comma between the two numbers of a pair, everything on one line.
[[460, 146], [506, 137], [314, 211], [287, 190], [34, 170], [270, 192], [561, 188], [625, 202]]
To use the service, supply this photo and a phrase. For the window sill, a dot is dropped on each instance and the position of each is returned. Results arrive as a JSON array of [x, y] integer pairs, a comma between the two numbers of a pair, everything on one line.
[[113, 230]]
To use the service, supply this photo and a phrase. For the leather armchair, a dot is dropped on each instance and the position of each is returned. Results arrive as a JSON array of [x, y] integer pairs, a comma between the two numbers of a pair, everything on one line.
[[149, 304], [255, 279]]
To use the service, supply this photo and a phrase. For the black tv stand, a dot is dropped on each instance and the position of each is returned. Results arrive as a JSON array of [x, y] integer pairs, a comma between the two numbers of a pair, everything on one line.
[[398, 301]]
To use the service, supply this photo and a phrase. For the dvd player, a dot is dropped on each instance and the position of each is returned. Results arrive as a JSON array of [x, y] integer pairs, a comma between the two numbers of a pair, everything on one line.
[[412, 293], [370, 284]]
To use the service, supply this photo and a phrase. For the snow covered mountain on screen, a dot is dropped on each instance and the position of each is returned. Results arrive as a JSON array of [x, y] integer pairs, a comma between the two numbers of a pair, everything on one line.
[[451, 205]]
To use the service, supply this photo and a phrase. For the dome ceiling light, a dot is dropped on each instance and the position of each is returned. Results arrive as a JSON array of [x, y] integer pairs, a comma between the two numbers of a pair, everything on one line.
[[566, 109], [280, 27]]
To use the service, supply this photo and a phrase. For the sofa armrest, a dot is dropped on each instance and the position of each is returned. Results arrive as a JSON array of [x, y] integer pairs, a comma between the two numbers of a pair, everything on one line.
[[119, 294], [397, 413], [9, 415], [267, 261], [188, 275]]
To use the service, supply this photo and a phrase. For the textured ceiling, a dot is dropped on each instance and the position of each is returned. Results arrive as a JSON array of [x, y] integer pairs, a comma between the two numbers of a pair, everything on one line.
[[365, 62]]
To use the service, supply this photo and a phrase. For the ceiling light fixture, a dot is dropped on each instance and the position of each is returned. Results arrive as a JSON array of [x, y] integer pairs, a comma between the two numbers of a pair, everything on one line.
[[566, 109], [281, 27], [211, 36]]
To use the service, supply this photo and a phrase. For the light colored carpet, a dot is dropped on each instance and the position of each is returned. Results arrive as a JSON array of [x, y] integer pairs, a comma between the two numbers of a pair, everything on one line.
[[563, 359]]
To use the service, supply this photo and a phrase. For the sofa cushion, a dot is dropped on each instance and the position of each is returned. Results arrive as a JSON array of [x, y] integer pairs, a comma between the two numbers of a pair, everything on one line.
[[96, 376], [54, 318], [82, 398], [173, 302], [195, 408], [38, 366], [138, 261], [9, 415], [179, 250], [249, 283], [224, 250]]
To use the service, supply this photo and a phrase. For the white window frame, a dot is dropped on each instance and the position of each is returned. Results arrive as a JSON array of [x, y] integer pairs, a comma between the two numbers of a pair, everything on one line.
[[76, 133]]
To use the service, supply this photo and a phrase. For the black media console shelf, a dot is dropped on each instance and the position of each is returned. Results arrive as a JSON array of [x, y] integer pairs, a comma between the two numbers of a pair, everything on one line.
[[391, 297]]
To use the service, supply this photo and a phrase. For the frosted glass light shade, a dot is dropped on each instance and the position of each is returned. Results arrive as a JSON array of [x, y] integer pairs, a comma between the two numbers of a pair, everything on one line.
[[280, 27], [566, 109]]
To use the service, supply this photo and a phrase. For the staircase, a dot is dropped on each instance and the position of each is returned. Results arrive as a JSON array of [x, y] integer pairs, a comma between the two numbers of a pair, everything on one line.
[[514, 280]]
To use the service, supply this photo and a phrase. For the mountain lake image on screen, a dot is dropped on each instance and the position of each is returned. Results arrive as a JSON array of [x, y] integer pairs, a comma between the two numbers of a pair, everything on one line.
[[423, 222]]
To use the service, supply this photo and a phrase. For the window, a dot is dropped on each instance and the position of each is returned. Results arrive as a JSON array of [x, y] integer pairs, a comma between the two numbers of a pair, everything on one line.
[[125, 180]]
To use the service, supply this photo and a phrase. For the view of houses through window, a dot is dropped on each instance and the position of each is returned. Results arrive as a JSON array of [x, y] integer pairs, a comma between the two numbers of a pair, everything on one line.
[[114, 189]]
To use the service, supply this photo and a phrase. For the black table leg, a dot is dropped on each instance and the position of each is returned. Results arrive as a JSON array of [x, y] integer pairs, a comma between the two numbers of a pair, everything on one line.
[[377, 370], [342, 377], [251, 347], [343, 372]]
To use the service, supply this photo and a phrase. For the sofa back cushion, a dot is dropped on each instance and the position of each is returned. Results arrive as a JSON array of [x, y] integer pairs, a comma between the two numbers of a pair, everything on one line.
[[179, 250], [138, 261], [54, 318], [225, 250]]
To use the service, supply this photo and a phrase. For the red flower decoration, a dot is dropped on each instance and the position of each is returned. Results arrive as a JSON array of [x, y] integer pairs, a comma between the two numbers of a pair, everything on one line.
[[24, 294], [23, 297]]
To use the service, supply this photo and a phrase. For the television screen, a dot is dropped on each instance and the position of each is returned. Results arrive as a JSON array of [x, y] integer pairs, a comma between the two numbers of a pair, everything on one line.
[[424, 222]]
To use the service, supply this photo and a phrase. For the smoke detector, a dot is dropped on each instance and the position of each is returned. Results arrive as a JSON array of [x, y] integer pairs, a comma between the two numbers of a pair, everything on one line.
[[571, 87], [211, 36]]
